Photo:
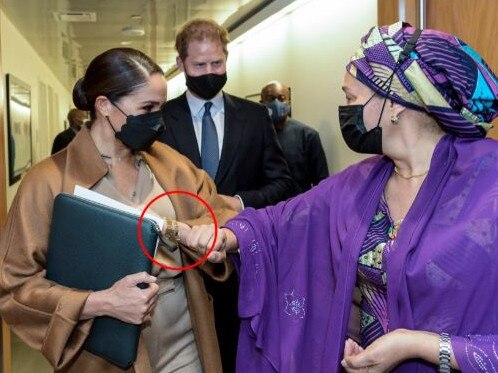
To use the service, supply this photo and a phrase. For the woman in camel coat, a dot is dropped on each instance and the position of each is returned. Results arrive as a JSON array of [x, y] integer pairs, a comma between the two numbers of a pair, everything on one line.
[[123, 90]]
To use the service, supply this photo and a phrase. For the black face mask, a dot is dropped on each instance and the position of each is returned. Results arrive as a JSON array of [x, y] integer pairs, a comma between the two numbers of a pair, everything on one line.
[[354, 132], [351, 116], [206, 86], [140, 131]]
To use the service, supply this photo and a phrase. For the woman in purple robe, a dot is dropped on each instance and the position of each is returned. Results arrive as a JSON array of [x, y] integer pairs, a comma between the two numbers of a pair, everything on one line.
[[414, 228]]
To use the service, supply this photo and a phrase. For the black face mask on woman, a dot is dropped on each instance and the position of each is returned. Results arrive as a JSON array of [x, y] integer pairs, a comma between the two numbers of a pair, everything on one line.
[[140, 131], [354, 132], [206, 86], [353, 128]]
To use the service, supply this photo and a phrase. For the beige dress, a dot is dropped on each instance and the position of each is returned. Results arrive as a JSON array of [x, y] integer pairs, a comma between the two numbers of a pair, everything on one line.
[[168, 337]]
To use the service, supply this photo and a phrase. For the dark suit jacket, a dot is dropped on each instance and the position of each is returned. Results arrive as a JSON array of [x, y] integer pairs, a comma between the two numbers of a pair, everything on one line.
[[252, 164], [62, 140], [304, 154]]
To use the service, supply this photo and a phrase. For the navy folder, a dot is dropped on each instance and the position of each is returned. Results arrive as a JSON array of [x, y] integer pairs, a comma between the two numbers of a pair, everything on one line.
[[91, 246]]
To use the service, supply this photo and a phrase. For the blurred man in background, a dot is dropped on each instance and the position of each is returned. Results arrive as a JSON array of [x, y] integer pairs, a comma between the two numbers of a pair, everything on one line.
[[76, 119], [300, 143]]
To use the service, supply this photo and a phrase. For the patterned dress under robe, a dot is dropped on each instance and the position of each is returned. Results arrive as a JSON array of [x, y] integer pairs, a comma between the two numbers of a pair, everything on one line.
[[372, 278]]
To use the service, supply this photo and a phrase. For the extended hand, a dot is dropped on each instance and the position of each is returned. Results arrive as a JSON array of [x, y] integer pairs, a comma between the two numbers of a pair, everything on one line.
[[200, 238]]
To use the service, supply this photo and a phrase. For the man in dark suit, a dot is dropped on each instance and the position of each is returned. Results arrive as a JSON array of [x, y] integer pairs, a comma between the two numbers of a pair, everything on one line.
[[76, 119], [232, 139], [300, 143]]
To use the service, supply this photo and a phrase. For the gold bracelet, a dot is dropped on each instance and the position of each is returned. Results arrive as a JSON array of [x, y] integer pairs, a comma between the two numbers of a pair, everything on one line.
[[171, 233]]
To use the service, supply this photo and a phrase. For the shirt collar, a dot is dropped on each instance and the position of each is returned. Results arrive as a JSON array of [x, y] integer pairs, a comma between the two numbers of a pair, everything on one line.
[[196, 104]]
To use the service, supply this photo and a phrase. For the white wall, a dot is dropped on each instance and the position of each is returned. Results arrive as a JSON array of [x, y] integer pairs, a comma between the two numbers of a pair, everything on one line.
[[21, 60], [306, 48]]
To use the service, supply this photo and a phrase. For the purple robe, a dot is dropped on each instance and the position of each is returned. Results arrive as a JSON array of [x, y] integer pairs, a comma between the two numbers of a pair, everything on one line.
[[299, 264]]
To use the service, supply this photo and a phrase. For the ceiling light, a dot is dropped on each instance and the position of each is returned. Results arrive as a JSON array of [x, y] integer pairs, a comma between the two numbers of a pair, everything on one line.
[[133, 31], [75, 16]]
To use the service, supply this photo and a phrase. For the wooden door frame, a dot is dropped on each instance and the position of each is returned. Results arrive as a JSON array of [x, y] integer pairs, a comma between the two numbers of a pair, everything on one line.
[[3, 168], [391, 11], [6, 340]]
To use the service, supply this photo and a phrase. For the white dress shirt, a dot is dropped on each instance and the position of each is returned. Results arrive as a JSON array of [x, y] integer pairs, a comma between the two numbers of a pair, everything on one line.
[[196, 106]]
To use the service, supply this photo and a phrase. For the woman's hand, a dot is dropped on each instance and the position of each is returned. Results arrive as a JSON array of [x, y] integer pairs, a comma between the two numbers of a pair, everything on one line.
[[351, 348], [200, 238], [385, 353], [124, 301]]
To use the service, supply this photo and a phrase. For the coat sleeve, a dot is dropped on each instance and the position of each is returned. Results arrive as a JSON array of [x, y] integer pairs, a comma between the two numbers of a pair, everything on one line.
[[205, 188], [44, 315], [277, 183], [175, 172]]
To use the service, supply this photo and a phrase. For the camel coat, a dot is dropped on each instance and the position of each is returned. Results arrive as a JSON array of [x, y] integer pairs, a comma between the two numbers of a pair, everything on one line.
[[45, 316]]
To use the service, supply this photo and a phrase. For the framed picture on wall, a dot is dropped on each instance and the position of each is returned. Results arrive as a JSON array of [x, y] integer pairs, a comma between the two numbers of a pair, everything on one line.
[[18, 127]]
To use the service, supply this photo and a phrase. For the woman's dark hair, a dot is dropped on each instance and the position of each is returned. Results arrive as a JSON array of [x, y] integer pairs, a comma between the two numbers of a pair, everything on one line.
[[113, 74]]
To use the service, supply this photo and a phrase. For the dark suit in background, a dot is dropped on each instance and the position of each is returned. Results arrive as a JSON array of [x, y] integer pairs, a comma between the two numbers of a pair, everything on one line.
[[76, 119], [300, 143], [252, 166], [63, 139], [304, 154]]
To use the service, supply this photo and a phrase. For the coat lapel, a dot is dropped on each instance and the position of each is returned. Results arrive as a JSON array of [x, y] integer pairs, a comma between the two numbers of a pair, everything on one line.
[[84, 165], [234, 129], [182, 129]]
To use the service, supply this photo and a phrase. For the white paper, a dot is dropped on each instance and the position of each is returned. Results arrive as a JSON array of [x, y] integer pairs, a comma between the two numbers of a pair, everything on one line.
[[106, 201]]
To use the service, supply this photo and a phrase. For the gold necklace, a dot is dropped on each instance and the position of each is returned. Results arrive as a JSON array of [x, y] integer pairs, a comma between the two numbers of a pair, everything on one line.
[[396, 171]]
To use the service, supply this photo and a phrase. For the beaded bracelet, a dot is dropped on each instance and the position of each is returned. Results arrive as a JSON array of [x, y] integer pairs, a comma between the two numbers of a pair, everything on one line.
[[444, 353]]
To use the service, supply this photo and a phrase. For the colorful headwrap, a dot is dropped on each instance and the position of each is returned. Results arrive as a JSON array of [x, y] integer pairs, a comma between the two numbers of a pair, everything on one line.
[[442, 76]]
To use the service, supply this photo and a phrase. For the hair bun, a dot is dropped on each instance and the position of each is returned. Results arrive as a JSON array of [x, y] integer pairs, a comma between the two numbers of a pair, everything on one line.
[[80, 98]]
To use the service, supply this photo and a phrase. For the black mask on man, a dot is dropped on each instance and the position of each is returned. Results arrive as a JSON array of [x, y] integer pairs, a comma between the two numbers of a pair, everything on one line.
[[354, 132], [206, 86], [140, 131]]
